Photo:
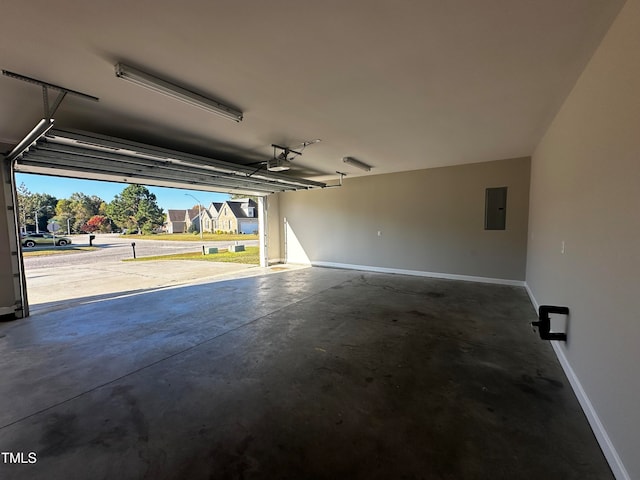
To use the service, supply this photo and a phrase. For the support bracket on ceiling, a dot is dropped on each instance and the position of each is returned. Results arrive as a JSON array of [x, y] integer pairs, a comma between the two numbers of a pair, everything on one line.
[[342, 175], [50, 109]]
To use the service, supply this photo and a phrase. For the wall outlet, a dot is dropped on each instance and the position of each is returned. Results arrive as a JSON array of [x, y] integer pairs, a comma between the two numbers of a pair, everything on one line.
[[379, 233]]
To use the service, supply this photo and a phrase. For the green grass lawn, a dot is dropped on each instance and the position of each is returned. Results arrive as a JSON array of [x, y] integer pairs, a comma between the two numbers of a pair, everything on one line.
[[251, 256], [190, 237], [41, 252]]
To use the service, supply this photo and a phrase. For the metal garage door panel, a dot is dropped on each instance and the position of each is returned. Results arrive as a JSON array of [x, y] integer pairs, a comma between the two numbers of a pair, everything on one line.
[[93, 156]]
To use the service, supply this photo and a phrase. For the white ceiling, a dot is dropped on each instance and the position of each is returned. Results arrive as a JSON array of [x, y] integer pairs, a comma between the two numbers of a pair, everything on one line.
[[401, 85]]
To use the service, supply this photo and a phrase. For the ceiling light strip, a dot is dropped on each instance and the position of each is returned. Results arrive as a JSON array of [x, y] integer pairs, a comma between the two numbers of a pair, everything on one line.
[[169, 89], [356, 163]]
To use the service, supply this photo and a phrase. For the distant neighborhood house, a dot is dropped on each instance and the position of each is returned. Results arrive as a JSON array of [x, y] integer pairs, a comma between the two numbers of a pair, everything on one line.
[[232, 216], [179, 221], [176, 222]]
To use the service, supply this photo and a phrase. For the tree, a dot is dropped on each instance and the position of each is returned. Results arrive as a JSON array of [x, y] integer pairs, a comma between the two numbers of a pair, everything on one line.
[[79, 208], [97, 223], [238, 196], [24, 196], [45, 209], [64, 212], [32, 206], [136, 209]]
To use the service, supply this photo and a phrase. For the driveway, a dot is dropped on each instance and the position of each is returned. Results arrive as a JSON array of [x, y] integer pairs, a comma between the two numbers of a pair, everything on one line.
[[57, 281]]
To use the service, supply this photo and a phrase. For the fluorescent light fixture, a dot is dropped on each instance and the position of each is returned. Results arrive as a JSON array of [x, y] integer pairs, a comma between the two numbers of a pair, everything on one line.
[[356, 163], [179, 93]]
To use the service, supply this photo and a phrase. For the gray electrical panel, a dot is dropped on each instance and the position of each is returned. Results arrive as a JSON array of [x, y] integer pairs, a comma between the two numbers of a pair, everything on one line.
[[495, 208]]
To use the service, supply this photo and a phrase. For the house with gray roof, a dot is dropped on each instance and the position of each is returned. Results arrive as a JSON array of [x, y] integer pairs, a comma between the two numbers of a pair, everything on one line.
[[176, 221], [233, 216], [238, 216], [179, 221], [192, 217]]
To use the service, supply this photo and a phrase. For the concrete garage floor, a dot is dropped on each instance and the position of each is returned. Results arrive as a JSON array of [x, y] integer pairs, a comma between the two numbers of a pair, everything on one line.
[[313, 373]]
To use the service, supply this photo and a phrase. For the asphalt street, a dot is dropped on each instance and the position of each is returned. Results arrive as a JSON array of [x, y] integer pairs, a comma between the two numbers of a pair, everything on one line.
[[112, 247]]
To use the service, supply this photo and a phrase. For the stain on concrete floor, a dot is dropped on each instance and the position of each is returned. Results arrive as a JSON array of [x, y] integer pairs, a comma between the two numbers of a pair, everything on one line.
[[315, 373]]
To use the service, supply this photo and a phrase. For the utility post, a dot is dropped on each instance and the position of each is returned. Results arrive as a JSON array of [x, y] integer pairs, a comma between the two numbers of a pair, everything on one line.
[[36, 215], [199, 214]]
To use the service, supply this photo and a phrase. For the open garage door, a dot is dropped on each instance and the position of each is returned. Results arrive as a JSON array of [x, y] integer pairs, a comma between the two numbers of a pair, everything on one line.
[[13, 294], [96, 157]]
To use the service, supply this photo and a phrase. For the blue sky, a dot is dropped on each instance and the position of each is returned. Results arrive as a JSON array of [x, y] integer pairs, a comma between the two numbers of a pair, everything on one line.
[[60, 187]]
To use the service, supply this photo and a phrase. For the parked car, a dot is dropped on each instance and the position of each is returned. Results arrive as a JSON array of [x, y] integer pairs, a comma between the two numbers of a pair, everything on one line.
[[44, 239]]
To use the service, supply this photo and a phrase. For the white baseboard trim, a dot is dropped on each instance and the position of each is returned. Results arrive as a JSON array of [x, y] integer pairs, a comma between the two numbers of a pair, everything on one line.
[[536, 306], [610, 453], [608, 449], [418, 273]]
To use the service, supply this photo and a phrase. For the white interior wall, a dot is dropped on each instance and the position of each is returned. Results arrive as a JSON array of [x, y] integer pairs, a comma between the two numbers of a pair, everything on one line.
[[585, 192], [425, 222]]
